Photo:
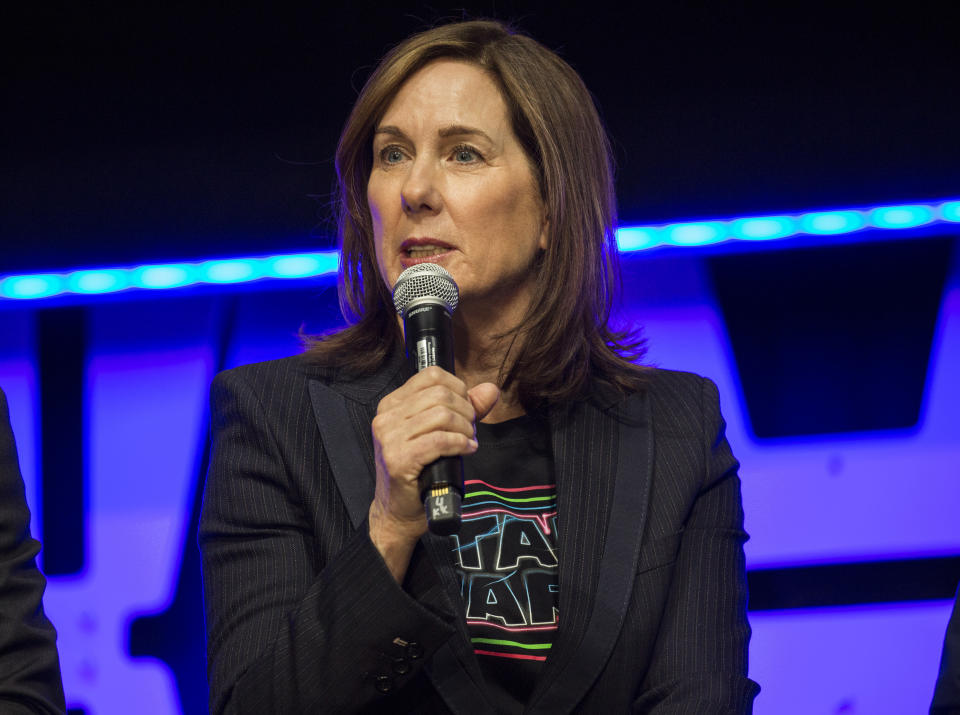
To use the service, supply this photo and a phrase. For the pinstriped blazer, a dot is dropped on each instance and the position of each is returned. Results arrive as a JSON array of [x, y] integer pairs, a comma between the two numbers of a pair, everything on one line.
[[303, 615]]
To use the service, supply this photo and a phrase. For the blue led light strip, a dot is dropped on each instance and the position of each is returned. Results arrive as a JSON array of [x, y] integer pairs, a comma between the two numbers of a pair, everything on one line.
[[629, 239], [770, 228], [169, 275]]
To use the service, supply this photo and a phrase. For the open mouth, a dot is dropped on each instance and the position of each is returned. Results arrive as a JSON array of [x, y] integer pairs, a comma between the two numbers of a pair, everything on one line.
[[423, 248], [425, 251]]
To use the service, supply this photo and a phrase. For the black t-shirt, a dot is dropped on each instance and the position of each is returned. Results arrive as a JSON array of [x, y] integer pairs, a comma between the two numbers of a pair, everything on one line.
[[506, 555]]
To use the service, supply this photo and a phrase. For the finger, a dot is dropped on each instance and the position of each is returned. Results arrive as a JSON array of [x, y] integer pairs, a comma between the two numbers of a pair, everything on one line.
[[429, 378], [436, 399], [403, 463], [440, 396], [435, 418], [430, 447], [435, 375], [483, 397], [441, 418]]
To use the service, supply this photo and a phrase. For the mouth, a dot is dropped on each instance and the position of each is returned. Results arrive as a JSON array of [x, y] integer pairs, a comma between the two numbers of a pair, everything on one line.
[[424, 251], [416, 249]]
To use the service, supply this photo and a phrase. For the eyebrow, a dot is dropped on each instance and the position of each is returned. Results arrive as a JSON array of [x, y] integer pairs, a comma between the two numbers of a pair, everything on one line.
[[389, 129], [448, 131], [457, 130]]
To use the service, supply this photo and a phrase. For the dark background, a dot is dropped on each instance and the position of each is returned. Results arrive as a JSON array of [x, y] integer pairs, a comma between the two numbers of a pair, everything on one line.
[[182, 131]]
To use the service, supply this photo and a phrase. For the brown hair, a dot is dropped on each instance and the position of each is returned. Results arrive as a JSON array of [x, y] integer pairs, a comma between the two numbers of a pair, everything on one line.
[[566, 340]]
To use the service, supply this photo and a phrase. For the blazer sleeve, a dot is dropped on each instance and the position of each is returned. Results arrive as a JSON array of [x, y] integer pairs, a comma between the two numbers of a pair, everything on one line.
[[300, 618], [29, 666], [699, 663]]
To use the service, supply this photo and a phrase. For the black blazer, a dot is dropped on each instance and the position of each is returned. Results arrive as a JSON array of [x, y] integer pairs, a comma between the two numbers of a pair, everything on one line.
[[29, 665], [303, 615]]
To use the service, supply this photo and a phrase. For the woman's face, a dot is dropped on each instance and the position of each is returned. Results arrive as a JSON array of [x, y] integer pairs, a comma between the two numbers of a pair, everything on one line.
[[451, 185]]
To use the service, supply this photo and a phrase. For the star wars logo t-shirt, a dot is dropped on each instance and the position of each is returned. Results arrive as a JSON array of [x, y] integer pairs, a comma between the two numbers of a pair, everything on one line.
[[506, 554]]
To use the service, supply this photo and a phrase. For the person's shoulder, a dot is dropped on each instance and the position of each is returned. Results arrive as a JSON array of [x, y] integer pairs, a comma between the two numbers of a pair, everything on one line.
[[276, 384], [676, 385], [288, 370], [290, 379], [680, 398], [656, 385]]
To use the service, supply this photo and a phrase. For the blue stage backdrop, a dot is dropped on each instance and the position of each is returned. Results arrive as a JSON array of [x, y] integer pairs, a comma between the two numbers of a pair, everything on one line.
[[837, 363]]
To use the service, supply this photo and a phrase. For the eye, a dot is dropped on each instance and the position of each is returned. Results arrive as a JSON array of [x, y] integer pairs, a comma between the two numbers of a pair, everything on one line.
[[391, 154], [464, 154]]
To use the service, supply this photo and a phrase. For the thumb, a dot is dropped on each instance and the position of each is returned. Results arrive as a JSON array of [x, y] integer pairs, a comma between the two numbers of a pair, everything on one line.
[[483, 396]]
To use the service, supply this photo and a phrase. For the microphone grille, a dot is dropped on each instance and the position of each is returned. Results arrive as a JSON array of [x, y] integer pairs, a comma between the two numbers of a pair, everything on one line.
[[423, 280]]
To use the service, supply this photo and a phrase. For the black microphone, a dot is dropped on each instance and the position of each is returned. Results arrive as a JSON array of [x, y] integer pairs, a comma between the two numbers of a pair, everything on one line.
[[426, 295]]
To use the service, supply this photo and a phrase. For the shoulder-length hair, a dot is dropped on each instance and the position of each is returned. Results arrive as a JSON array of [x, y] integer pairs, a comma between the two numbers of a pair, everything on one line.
[[565, 341]]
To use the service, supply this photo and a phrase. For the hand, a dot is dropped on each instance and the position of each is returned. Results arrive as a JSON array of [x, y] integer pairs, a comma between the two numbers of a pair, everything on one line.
[[432, 415]]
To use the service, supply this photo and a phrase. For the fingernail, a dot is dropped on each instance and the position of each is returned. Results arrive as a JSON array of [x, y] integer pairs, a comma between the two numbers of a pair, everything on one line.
[[473, 443]]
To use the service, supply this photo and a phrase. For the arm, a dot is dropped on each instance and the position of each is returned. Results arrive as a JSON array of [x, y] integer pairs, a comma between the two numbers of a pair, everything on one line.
[[29, 665], [302, 612], [700, 659]]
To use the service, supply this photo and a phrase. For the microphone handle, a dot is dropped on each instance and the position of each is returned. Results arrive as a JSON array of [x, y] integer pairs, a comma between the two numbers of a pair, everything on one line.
[[441, 488], [428, 331]]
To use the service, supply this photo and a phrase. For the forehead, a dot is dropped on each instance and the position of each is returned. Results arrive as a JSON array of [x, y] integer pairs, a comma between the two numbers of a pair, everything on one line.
[[448, 92]]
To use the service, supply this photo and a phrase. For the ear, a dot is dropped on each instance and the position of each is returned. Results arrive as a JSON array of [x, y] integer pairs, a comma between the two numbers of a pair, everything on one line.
[[542, 242]]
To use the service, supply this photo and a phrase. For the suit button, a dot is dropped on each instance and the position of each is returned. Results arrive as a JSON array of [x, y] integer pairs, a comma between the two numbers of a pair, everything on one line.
[[401, 666], [414, 650], [384, 683]]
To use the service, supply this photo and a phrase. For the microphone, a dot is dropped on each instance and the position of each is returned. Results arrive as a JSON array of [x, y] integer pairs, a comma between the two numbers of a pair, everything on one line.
[[425, 296]]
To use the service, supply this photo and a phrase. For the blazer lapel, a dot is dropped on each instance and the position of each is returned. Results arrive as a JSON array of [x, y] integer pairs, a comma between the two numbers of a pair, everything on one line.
[[603, 460], [344, 411]]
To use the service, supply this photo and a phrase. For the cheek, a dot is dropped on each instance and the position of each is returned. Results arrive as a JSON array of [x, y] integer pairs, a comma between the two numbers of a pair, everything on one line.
[[525, 213], [496, 207]]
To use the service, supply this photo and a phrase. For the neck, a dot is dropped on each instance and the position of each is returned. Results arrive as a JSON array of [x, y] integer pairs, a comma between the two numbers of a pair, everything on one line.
[[482, 354]]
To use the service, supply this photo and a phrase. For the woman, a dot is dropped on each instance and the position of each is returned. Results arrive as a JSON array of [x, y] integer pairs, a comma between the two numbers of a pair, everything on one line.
[[600, 563]]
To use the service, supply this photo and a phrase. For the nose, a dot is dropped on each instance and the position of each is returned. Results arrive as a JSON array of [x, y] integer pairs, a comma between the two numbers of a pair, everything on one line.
[[420, 193]]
